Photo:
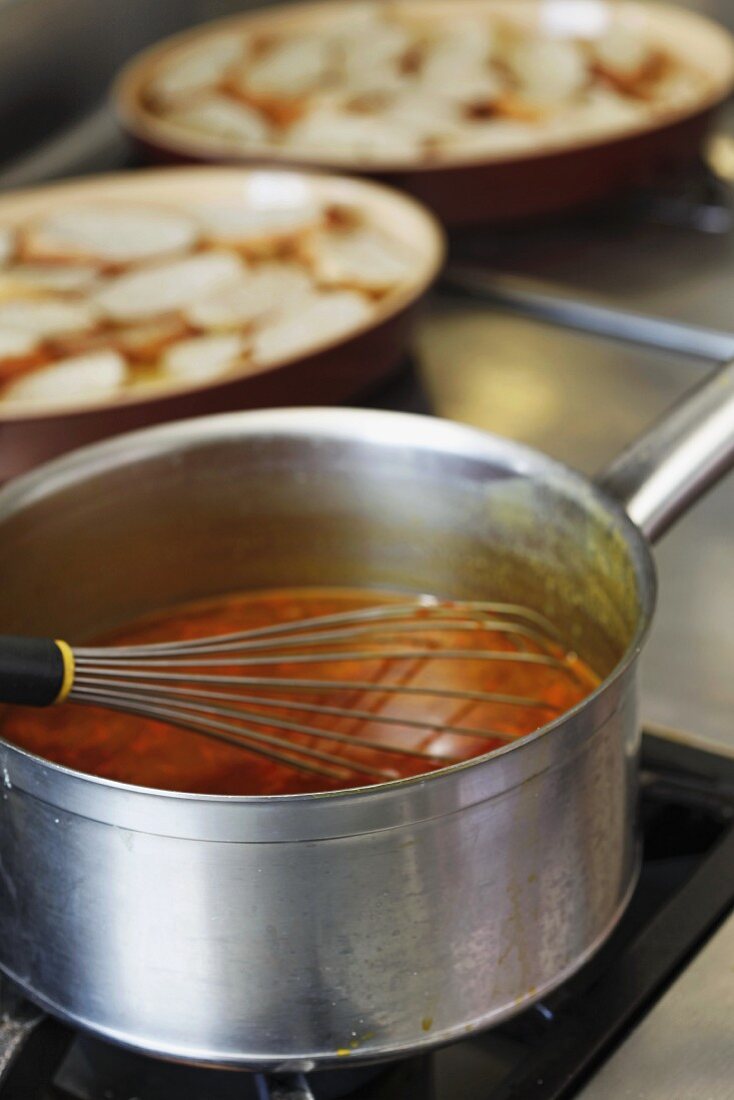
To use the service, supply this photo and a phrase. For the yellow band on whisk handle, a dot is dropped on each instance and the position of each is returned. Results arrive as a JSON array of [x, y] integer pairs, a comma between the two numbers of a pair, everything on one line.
[[67, 683], [35, 672]]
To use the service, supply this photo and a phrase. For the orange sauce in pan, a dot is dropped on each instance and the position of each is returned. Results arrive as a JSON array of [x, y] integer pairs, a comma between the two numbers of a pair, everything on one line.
[[153, 753]]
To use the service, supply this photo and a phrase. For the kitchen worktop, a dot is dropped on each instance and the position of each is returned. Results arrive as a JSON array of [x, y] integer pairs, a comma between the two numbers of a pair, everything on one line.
[[578, 397], [683, 1049]]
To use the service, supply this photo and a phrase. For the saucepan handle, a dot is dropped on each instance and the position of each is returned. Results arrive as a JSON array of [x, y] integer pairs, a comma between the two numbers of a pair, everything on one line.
[[683, 455]]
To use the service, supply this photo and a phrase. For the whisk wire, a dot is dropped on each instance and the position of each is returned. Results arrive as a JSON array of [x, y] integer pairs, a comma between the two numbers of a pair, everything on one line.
[[250, 739], [430, 613], [231, 687], [210, 702]]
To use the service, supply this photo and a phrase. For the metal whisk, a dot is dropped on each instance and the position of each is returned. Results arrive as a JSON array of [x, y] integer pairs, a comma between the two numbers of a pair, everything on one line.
[[197, 684]]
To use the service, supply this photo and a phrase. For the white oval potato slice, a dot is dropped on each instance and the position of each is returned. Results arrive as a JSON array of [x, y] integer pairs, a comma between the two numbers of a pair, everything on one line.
[[460, 55], [422, 116], [602, 111], [326, 317], [474, 40], [268, 290], [377, 47], [40, 278], [493, 136], [204, 358], [289, 69], [7, 245], [456, 64], [240, 225], [195, 68], [15, 344], [45, 317], [112, 234], [469, 85], [548, 71], [222, 118], [162, 288], [328, 130], [381, 78], [363, 258], [622, 52], [675, 89], [75, 381], [144, 342]]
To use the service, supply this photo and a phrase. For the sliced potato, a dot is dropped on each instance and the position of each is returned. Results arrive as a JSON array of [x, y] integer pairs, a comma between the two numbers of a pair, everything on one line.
[[163, 288], [7, 244], [373, 52], [387, 82], [268, 290], [46, 317], [548, 70], [328, 316], [329, 130], [472, 85], [493, 136], [249, 225], [195, 68], [79, 380], [458, 58], [622, 52], [14, 343], [223, 118], [603, 111], [674, 89], [290, 69], [456, 65], [113, 234], [384, 77], [144, 343], [38, 278], [363, 258], [423, 117], [204, 358]]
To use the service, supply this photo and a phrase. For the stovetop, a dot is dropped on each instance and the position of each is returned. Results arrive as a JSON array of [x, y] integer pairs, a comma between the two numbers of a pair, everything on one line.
[[685, 891], [591, 327]]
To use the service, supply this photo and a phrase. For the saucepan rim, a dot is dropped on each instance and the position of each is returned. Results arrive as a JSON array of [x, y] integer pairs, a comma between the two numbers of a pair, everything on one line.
[[426, 433]]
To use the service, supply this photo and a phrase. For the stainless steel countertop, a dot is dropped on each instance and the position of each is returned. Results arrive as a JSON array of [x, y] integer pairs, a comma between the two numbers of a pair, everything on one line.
[[683, 1050]]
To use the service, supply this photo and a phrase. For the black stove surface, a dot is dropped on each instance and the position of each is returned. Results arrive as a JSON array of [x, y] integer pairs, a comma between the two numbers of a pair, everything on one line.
[[686, 888]]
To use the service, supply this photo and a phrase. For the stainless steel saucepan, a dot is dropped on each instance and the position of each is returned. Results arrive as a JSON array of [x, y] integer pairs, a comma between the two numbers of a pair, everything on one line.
[[314, 930]]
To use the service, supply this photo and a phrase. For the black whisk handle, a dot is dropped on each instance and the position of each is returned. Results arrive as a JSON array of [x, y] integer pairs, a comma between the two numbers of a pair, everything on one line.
[[34, 672]]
